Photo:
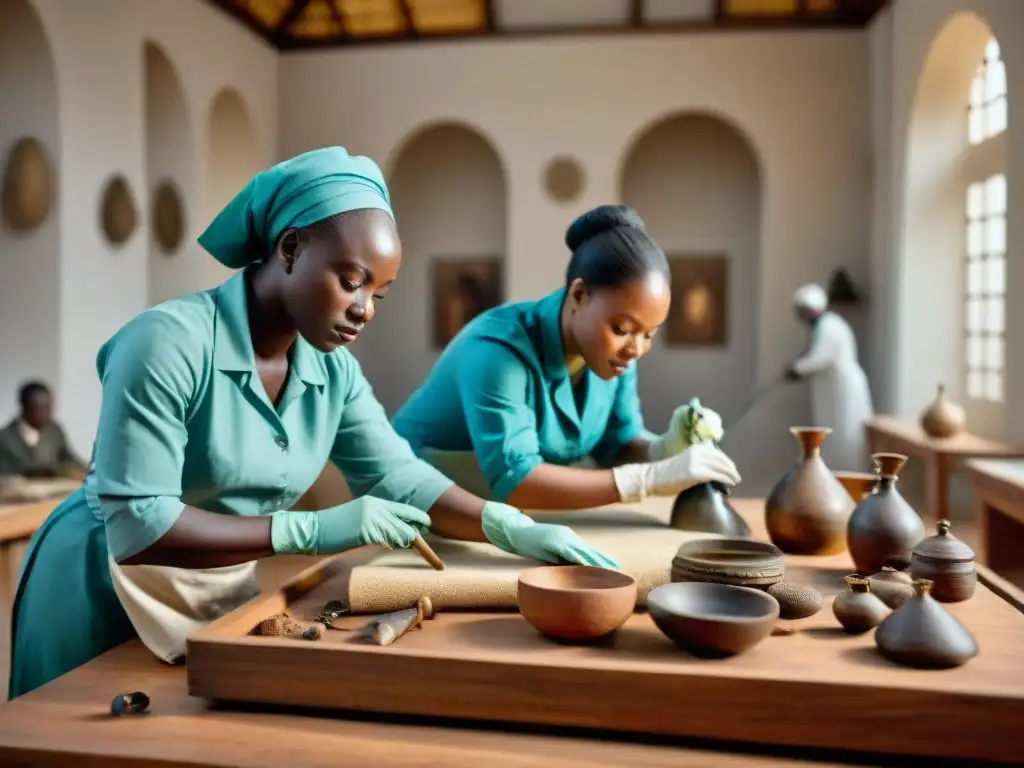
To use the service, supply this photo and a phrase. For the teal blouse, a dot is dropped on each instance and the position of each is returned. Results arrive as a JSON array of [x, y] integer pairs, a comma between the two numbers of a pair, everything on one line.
[[502, 391], [185, 420]]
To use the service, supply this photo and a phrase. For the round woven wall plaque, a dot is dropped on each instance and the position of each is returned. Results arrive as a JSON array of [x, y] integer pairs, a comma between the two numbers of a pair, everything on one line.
[[168, 217], [118, 216], [27, 186], [563, 178]]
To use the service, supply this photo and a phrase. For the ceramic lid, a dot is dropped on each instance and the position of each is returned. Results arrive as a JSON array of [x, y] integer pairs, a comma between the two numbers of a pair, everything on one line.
[[944, 546]]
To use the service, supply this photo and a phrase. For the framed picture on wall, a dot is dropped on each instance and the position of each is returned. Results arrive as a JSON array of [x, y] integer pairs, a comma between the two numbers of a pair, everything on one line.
[[700, 300], [463, 288]]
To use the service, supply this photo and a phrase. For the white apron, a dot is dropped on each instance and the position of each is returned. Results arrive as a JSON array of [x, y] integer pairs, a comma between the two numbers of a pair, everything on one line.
[[166, 604]]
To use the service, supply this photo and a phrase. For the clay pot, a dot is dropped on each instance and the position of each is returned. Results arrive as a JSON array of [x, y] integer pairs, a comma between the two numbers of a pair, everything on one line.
[[739, 562], [118, 217], [576, 603], [884, 528], [857, 609], [807, 510], [924, 634], [712, 620], [943, 418], [705, 507], [745, 563], [892, 587], [948, 563], [857, 484]]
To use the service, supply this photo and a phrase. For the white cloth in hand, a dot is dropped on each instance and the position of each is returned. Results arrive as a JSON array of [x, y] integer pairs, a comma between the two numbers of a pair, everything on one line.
[[701, 463], [690, 424]]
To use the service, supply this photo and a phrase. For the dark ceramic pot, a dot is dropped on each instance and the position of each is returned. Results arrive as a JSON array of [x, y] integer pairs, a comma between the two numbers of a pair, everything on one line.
[[884, 528], [706, 508], [922, 633]]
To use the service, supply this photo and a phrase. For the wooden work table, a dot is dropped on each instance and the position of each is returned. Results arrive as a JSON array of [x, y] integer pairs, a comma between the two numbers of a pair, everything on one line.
[[67, 722], [941, 456], [998, 486]]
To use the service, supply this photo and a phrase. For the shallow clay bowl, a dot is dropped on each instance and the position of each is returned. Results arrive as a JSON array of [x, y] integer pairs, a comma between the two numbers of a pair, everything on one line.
[[743, 562], [858, 484], [713, 620], [576, 603]]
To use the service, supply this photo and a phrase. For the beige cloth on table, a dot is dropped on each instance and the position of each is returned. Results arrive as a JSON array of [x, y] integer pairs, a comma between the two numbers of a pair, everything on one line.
[[480, 576]]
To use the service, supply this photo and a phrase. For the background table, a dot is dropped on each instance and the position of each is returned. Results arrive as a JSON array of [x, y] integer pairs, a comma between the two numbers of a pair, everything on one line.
[[998, 487]]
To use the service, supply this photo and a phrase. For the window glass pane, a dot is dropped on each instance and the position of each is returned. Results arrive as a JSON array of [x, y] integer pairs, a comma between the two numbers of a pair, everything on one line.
[[976, 125], [974, 240], [992, 49], [995, 235], [977, 97], [994, 315], [974, 318], [996, 116], [994, 353], [995, 80], [994, 387], [975, 199], [995, 275], [975, 277], [975, 352], [974, 384], [995, 194]]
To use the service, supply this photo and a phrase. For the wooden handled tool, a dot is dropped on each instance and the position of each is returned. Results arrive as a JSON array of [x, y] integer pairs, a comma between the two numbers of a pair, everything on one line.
[[387, 628], [428, 554]]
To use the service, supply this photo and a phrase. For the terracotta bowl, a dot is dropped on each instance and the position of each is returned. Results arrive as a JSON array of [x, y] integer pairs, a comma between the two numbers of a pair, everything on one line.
[[713, 620], [576, 603], [858, 484]]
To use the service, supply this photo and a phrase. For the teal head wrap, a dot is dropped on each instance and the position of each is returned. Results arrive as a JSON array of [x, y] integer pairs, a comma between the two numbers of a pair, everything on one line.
[[298, 192]]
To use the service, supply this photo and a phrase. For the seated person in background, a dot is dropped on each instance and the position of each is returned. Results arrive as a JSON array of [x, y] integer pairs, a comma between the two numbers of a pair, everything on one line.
[[33, 444]]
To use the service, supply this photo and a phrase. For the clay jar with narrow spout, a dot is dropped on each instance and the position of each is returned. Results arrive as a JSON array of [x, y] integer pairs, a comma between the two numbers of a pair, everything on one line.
[[884, 528], [808, 509]]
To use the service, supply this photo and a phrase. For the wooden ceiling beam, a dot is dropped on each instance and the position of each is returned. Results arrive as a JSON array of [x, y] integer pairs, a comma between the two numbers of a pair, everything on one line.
[[490, 16], [280, 32], [636, 14], [410, 26]]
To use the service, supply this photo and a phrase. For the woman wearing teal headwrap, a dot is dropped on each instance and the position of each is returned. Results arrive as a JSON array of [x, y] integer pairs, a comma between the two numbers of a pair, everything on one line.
[[219, 410]]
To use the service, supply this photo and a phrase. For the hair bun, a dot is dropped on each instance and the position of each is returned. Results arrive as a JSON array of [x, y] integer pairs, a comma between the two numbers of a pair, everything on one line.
[[601, 219]]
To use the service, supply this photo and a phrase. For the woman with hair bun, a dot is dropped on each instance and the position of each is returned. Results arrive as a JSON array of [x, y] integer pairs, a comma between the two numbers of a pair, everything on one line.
[[530, 388]]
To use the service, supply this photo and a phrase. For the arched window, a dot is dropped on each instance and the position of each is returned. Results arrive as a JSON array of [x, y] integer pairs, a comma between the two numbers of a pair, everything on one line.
[[985, 246], [986, 115]]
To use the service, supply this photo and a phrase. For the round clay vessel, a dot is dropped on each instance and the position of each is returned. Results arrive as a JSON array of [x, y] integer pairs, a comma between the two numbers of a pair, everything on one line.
[[948, 563], [943, 417], [576, 603], [892, 587], [706, 508], [921, 633], [26, 198], [884, 528], [712, 620], [857, 484], [857, 609], [807, 510], [739, 562]]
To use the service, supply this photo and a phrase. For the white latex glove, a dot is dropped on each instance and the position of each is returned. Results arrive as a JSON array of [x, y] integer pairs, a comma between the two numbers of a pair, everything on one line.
[[701, 463], [690, 424]]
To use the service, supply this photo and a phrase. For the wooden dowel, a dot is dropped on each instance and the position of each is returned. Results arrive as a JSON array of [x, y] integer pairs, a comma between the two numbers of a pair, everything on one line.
[[428, 554]]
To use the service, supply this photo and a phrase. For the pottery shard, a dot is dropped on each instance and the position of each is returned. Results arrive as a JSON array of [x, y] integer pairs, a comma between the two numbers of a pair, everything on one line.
[[795, 601]]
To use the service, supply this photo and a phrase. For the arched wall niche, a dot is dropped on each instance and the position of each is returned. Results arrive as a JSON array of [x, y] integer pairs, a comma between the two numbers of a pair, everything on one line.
[[233, 156], [169, 157], [29, 261], [695, 178], [940, 163], [449, 192]]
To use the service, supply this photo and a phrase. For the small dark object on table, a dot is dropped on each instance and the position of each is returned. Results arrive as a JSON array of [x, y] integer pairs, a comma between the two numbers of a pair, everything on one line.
[[135, 703]]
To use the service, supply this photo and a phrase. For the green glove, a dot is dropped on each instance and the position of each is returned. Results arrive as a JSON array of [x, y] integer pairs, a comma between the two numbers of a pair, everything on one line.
[[366, 520], [510, 530]]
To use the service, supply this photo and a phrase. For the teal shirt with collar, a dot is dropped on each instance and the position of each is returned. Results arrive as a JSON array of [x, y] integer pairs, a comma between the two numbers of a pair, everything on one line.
[[185, 420], [501, 390]]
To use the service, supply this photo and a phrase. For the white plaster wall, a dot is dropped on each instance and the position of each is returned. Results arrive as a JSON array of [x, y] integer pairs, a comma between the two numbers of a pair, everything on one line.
[[901, 39], [98, 52], [29, 261], [801, 97]]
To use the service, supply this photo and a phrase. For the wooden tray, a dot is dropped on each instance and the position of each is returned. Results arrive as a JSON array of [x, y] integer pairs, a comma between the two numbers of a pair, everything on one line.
[[817, 687]]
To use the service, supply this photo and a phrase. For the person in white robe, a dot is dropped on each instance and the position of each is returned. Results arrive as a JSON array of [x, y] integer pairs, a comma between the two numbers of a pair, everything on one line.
[[840, 394]]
